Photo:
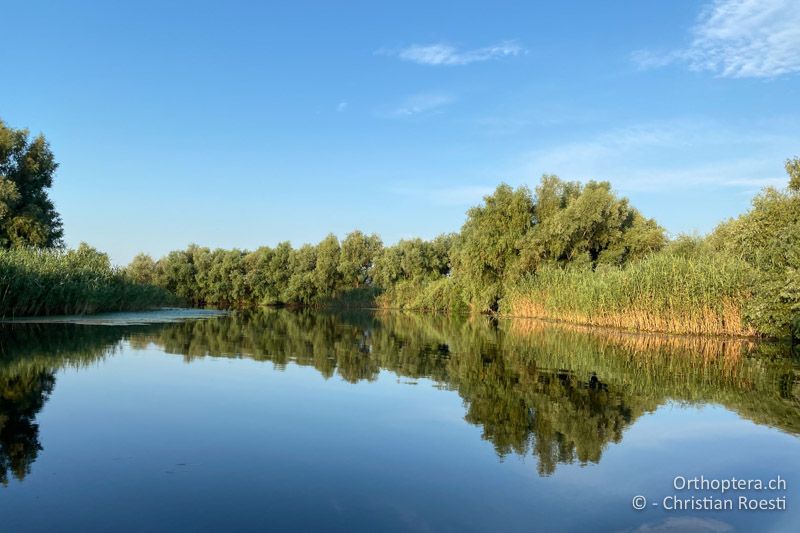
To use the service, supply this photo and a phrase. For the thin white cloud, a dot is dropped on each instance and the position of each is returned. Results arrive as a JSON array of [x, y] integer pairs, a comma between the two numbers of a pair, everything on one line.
[[668, 154], [650, 59], [418, 104], [738, 39], [446, 54], [341, 106]]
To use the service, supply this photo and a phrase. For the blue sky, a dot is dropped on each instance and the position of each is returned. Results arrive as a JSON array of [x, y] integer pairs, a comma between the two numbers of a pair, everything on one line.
[[238, 124]]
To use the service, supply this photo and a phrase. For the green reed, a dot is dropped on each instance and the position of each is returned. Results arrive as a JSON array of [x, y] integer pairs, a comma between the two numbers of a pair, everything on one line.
[[36, 282], [707, 293]]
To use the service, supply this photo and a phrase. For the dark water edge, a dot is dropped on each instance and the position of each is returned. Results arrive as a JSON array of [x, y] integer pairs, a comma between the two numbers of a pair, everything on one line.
[[384, 420]]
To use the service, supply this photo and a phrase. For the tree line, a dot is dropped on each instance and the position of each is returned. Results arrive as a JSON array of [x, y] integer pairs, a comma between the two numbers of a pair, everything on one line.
[[563, 250], [513, 233]]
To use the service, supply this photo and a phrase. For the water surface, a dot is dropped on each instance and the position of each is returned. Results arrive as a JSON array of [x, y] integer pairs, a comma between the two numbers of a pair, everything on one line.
[[361, 421]]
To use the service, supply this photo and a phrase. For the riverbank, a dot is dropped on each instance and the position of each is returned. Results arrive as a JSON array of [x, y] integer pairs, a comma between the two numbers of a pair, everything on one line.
[[570, 252], [667, 292], [46, 282]]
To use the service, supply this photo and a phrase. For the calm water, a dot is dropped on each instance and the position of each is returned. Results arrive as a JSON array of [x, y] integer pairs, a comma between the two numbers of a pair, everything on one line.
[[301, 421]]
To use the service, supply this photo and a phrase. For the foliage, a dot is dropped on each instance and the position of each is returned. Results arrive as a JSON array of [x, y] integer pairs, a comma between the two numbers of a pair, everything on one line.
[[55, 282], [357, 255], [558, 394], [413, 260], [514, 233], [768, 238], [443, 294], [27, 215], [490, 242], [667, 292], [567, 250]]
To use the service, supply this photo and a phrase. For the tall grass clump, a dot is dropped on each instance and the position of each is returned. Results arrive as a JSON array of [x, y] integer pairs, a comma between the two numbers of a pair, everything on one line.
[[40, 282], [666, 292]]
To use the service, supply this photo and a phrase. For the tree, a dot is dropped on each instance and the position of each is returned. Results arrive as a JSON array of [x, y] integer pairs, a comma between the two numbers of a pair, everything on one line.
[[768, 238], [588, 225], [490, 243], [357, 256], [326, 271], [27, 215], [142, 269], [793, 169], [176, 273], [413, 260], [301, 287]]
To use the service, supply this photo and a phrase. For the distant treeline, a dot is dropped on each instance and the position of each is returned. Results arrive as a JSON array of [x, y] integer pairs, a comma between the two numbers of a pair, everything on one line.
[[565, 250]]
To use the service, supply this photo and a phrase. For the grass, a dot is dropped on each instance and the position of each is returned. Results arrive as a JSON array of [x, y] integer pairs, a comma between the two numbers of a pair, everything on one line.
[[40, 282], [704, 294]]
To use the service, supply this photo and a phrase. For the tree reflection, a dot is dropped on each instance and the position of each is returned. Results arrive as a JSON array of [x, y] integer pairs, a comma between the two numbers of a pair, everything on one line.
[[21, 398], [30, 356], [560, 394]]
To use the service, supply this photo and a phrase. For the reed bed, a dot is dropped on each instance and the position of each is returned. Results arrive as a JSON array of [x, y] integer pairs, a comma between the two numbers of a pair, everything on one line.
[[40, 282], [663, 293]]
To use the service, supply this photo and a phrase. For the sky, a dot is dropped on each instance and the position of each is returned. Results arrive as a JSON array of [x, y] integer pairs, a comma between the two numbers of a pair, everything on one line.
[[241, 124]]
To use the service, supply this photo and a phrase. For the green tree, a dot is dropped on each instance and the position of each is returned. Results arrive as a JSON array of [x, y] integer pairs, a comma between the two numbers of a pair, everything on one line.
[[587, 225], [326, 271], [768, 238], [301, 285], [277, 273], [142, 269], [27, 215], [413, 260], [227, 282], [357, 255], [793, 169], [176, 273], [490, 243]]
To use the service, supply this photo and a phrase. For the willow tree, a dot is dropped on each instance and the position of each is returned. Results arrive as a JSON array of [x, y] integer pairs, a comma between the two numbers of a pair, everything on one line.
[[587, 225], [565, 223], [357, 255], [490, 243], [326, 271], [27, 215], [142, 269], [768, 238]]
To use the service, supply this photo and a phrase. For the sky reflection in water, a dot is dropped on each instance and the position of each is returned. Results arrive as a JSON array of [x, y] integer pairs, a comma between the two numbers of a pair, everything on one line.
[[389, 421]]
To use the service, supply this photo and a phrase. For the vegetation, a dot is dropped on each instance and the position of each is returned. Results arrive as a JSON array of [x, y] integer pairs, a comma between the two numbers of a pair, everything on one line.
[[38, 277], [58, 282], [557, 393], [565, 251], [27, 215], [768, 239], [703, 293], [564, 223]]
